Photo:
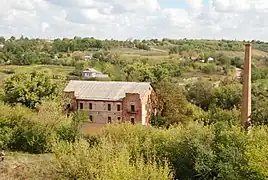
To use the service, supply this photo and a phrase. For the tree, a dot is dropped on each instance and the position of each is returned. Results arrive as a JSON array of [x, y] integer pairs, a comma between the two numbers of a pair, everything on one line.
[[172, 105], [79, 67], [29, 89], [228, 96], [138, 71], [200, 93]]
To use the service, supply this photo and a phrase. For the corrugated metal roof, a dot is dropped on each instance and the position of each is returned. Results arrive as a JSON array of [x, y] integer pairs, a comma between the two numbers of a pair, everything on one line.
[[92, 70], [105, 90]]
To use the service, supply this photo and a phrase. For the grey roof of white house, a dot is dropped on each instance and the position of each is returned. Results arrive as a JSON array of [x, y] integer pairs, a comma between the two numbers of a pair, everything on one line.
[[105, 90], [92, 70]]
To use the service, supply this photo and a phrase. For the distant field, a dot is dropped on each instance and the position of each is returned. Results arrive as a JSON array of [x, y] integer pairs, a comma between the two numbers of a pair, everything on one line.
[[241, 54], [131, 51]]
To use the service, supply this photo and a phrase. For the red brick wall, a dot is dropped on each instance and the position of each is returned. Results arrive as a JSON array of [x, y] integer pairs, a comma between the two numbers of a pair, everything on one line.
[[69, 96], [99, 111], [132, 99], [149, 102]]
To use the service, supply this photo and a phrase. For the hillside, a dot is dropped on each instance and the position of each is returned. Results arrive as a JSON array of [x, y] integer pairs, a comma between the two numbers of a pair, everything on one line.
[[194, 129]]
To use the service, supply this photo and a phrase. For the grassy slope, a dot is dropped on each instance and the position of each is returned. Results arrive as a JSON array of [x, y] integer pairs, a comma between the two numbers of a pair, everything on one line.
[[26, 166]]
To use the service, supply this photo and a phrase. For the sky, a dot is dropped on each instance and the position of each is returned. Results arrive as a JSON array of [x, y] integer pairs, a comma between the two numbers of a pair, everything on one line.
[[139, 19]]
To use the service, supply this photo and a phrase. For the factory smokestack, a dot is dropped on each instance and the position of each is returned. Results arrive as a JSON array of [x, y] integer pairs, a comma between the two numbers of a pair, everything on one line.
[[246, 96]]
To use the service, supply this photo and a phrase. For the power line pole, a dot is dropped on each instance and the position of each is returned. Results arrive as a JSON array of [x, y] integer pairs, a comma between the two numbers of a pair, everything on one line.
[[246, 96]]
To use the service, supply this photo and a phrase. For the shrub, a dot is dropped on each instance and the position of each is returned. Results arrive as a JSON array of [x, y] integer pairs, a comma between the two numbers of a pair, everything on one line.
[[35, 132], [195, 151], [106, 161], [29, 89], [209, 68]]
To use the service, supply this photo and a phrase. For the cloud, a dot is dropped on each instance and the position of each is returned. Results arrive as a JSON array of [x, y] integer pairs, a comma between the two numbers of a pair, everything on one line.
[[195, 4], [121, 19]]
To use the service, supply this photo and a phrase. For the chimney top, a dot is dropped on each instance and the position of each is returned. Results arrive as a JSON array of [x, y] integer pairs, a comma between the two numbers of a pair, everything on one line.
[[248, 44]]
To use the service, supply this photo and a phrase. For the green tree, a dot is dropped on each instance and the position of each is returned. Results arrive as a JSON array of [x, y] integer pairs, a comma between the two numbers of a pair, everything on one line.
[[227, 96], [172, 105], [29, 89], [200, 93], [79, 67]]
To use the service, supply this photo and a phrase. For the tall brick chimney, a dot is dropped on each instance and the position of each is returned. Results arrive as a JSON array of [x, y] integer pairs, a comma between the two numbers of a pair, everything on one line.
[[246, 96]]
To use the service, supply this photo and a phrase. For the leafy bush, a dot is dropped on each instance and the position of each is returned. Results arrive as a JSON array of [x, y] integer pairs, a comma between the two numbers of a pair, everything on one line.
[[35, 132], [29, 89], [105, 161], [195, 151], [227, 96], [209, 68], [257, 150]]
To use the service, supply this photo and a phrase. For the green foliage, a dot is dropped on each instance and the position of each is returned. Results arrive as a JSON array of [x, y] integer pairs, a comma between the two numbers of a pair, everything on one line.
[[259, 73], [35, 132], [29, 89], [200, 93], [142, 46], [203, 45], [237, 62], [105, 161], [138, 71], [172, 104], [228, 96], [216, 114], [209, 68], [230, 145], [257, 153], [80, 66], [195, 151]]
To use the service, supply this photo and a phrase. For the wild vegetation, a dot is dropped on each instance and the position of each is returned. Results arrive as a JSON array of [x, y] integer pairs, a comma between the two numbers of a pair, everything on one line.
[[196, 133]]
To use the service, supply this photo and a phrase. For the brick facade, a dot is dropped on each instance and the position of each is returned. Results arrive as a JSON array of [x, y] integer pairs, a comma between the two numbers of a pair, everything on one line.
[[132, 108], [98, 110]]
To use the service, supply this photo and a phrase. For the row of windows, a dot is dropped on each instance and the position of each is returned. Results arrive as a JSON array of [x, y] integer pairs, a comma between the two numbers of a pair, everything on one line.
[[81, 106], [110, 119]]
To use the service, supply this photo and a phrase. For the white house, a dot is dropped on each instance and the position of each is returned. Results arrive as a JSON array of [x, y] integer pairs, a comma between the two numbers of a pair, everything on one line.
[[210, 59], [92, 73]]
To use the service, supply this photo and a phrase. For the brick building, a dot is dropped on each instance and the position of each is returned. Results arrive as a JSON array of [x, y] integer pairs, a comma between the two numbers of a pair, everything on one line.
[[111, 101]]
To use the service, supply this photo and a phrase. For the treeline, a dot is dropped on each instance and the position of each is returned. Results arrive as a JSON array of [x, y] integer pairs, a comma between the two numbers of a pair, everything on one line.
[[25, 51]]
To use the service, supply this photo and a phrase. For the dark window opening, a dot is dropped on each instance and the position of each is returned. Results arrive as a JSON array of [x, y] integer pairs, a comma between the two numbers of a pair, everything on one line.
[[68, 106], [109, 119], [81, 106], [90, 105], [109, 107], [132, 108], [118, 107], [132, 120], [91, 118], [118, 118]]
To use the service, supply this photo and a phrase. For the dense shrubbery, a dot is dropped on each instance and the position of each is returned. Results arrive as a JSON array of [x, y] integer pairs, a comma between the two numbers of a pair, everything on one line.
[[193, 151], [30, 88], [35, 132], [106, 161]]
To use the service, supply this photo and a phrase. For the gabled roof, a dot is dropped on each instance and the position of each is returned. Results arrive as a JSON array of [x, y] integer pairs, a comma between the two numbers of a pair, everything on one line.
[[105, 90], [92, 70]]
